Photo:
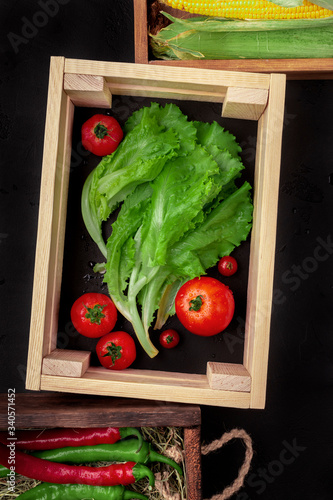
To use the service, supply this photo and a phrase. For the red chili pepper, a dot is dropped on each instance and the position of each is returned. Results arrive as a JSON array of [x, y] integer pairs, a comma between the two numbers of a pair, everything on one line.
[[50, 439], [52, 472]]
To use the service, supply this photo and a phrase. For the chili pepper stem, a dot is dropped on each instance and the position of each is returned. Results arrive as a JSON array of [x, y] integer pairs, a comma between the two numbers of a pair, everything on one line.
[[131, 431], [140, 471], [157, 457]]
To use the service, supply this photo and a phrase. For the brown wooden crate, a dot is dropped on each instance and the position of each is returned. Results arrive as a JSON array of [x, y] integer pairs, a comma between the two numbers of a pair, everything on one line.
[[49, 410], [295, 69]]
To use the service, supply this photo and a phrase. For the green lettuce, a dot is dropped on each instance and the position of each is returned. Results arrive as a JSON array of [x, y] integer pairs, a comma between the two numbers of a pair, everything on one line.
[[181, 210]]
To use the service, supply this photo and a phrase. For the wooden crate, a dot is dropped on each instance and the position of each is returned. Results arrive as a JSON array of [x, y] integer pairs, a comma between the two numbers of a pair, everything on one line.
[[295, 69], [43, 410], [247, 96]]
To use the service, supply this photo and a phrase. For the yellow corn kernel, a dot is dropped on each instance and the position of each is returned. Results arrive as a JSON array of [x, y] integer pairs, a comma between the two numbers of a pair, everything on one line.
[[250, 9]]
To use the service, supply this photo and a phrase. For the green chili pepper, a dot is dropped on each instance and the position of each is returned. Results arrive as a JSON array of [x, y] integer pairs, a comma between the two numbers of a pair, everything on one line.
[[49, 491], [123, 451]]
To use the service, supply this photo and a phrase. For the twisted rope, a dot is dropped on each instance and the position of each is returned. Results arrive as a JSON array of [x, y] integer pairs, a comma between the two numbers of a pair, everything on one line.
[[244, 469]]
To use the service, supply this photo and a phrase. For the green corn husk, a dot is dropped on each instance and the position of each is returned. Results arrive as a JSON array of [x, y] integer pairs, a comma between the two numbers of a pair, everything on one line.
[[217, 38]]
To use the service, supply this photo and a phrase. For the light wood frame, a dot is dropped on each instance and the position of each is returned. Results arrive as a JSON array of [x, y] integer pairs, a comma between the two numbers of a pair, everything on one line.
[[295, 69], [251, 96]]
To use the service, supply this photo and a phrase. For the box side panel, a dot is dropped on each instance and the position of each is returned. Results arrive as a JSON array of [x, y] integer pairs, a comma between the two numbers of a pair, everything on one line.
[[262, 253], [52, 209], [140, 31], [147, 384], [167, 77], [61, 410], [295, 69]]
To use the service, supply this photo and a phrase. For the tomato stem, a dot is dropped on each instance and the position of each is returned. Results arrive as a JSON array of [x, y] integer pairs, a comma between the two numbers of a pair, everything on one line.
[[114, 351], [100, 130], [196, 303], [95, 313]]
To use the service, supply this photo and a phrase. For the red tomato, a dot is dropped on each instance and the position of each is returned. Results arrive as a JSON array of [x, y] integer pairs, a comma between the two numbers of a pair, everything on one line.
[[227, 266], [205, 306], [116, 350], [93, 314], [169, 339], [101, 135]]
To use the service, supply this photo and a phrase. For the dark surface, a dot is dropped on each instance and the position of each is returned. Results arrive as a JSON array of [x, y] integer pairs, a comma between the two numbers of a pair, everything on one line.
[[293, 437]]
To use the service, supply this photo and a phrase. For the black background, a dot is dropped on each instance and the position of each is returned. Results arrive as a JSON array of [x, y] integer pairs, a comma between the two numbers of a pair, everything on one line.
[[293, 437]]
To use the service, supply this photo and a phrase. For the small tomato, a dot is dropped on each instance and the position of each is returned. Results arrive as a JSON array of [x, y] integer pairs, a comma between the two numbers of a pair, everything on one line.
[[227, 266], [169, 339], [116, 350], [205, 306], [101, 134], [93, 314]]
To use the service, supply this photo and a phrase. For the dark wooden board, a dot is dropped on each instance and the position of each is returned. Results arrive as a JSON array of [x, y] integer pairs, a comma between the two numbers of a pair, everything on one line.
[[65, 410]]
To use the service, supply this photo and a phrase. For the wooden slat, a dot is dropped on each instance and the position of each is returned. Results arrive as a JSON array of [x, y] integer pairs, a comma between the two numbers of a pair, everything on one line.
[[263, 237], [166, 93], [295, 69], [170, 77], [74, 410], [162, 386], [140, 32], [192, 446], [50, 234]]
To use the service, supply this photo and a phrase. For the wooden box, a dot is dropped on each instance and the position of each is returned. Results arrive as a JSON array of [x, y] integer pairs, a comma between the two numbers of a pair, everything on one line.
[[296, 69], [245, 96], [44, 410]]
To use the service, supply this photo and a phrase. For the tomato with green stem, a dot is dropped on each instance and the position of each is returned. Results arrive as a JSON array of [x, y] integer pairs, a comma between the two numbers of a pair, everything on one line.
[[227, 266], [101, 134], [94, 314], [116, 350], [205, 306], [169, 338]]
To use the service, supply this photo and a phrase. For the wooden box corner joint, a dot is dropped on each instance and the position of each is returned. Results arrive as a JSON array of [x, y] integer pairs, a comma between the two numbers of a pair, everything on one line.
[[66, 363], [87, 90], [228, 377], [248, 104]]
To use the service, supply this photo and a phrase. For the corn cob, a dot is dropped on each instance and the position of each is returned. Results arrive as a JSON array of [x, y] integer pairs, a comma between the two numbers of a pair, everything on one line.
[[204, 37], [250, 9]]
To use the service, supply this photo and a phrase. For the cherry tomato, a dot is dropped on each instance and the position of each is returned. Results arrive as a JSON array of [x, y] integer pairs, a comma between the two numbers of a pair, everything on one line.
[[205, 306], [116, 350], [93, 314], [227, 266], [101, 134], [169, 339]]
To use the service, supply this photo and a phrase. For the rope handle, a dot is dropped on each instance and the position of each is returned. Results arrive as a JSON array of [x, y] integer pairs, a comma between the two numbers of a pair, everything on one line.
[[244, 469]]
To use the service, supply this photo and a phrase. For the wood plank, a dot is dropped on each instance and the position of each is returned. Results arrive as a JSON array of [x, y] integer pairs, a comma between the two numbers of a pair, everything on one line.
[[165, 92], [140, 31], [160, 386], [58, 226], [295, 69], [263, 237], [45, 259], [170, 77], [67, 363], [228, 377], [88, 91], [74, 410], [192, 447], [245, 104]]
